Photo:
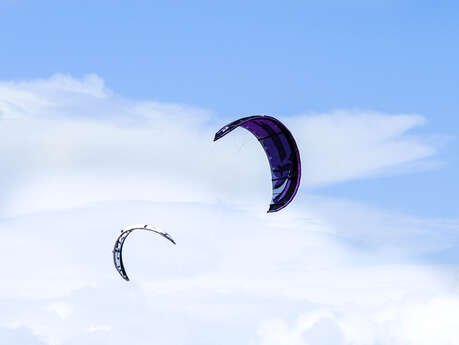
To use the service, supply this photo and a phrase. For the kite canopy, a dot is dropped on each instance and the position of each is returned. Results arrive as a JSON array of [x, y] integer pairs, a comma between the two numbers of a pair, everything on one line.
[[282, 152], [119, 242]]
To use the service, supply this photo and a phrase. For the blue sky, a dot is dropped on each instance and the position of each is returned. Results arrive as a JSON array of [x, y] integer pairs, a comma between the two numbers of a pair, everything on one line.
[[107, 114], [238, 58]]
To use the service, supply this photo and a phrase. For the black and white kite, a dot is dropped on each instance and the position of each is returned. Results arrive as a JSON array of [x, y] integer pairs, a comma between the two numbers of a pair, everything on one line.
[[118, 248]]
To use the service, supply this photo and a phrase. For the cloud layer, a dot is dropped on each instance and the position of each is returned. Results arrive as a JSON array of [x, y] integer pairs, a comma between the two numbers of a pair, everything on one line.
[[83, 162], [234, 276], [67, 142]]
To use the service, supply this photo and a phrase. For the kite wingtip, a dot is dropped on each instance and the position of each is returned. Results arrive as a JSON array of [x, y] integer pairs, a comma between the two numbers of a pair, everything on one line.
[[170, 238], [274, 208]]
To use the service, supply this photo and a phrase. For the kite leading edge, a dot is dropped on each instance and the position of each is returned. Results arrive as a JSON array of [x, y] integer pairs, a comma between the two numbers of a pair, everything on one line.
[[282, 152], [119, 242]]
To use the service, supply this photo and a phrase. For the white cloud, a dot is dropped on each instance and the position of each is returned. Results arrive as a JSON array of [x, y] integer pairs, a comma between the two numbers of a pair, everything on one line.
[[346, 145], [100, 328], [316, 328], [67, 142], [230, 273], [83, 163], [431, 321], [62, 309], [18, 336]]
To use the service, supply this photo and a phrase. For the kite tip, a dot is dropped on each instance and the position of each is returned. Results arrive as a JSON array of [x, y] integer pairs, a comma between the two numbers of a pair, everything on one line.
[[273, 208]]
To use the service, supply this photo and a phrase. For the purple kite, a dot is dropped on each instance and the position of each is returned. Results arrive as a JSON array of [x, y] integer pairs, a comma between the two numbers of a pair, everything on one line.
[[282, 152]]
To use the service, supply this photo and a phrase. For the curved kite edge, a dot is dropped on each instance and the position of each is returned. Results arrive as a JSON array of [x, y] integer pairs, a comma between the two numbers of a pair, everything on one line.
[[277, 207], [274, 208], [149, 228], [120, 240], [166, 235], [237, 123], [223, 131]]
